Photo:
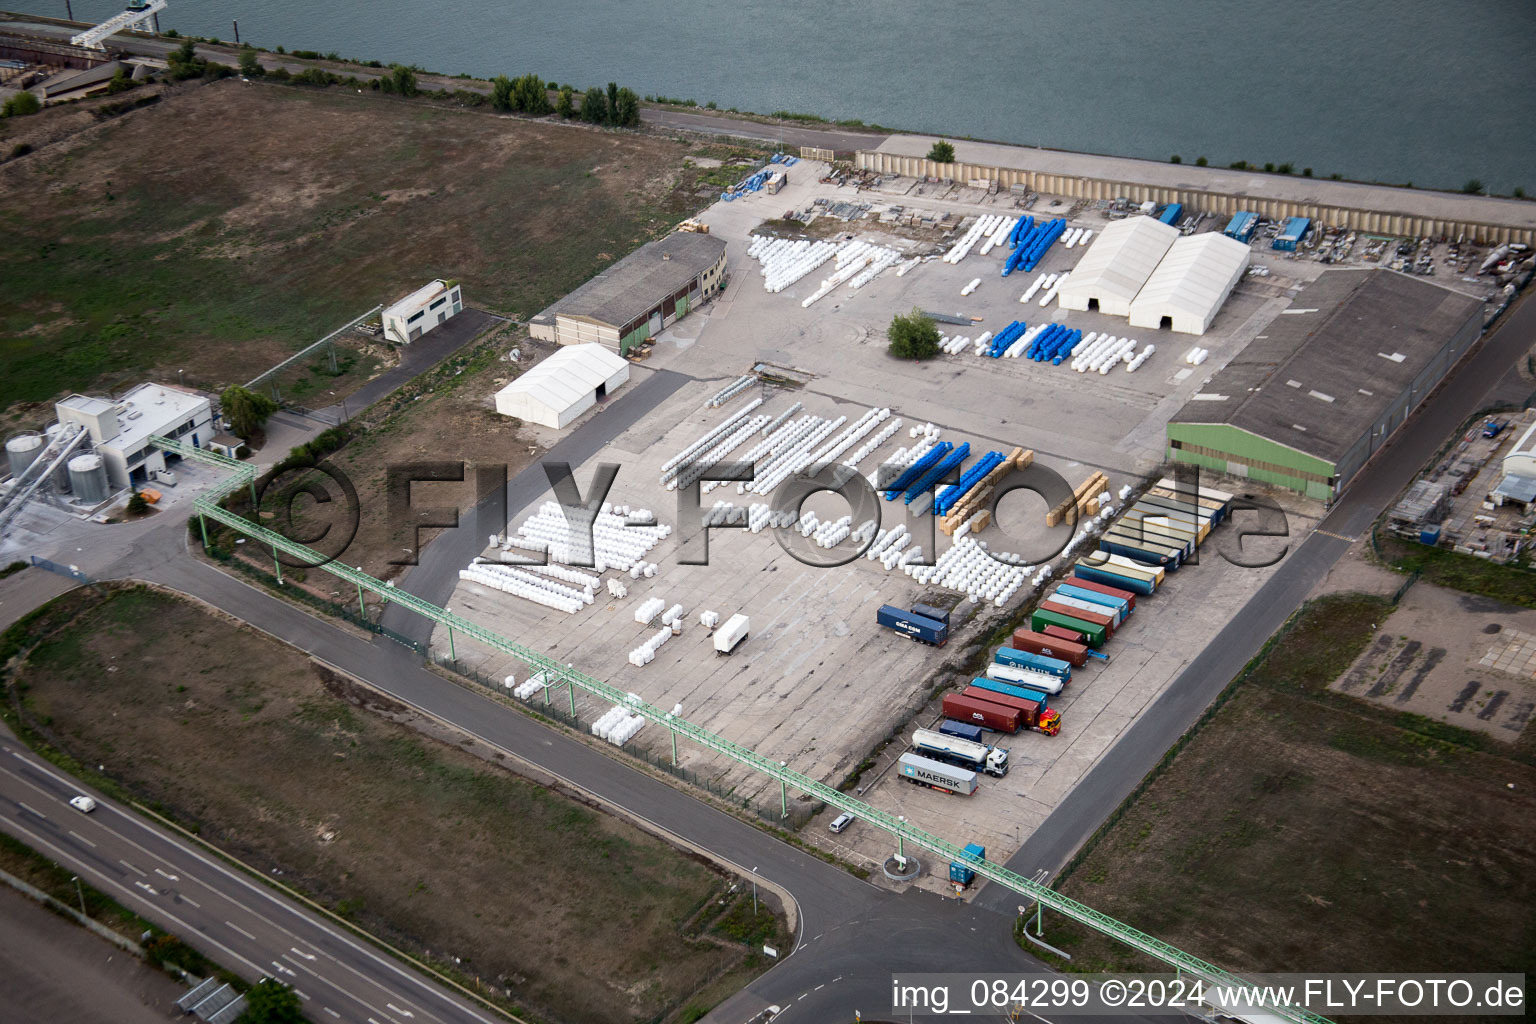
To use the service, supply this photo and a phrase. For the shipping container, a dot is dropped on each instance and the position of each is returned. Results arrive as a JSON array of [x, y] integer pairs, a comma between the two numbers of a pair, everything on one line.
[[924, 771], [961, 730], [917, 627], [1041, 694], [1155, 528], [1033, 714], [1242, 225], [1095, 635], [1129, 597], [731, 633], [1179, 503], [1073, 652], [1205, 503], [1121, 561], [1039, 662], [1186, 530], [930, 612], [1157, 505], [1090, 602], [1077, 606], [1025, 677], [1114, 577], [1291, 233], [1139, 549], [1069, 635], [1225, 497], [985, 713], [1106, 622], [959, 871], [1171, 213], [1120, 604]]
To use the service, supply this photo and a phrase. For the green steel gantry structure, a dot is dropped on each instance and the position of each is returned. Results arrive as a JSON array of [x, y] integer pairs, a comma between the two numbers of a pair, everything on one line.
[[557, 674]]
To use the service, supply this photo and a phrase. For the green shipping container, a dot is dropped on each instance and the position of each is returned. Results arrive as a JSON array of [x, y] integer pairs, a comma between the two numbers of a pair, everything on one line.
[[1094, 632]]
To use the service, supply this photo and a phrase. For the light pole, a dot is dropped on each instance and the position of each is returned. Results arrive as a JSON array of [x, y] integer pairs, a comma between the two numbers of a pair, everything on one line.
[[81, 892], [754, 892], [181, 379], [344, 416], [901, 856]]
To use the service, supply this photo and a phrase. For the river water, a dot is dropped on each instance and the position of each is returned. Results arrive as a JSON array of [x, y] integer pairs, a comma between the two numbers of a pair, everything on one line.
[[1434, 92]]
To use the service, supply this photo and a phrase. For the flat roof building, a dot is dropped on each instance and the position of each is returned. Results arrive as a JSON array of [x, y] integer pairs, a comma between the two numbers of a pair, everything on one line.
[[639, 296], [120, 429], [1190, 284], [425, 308], [565, 385], [1116, 265], [1329, 381]]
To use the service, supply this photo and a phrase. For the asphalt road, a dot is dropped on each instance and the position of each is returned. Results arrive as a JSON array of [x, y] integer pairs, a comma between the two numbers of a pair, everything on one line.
[[237, 921]]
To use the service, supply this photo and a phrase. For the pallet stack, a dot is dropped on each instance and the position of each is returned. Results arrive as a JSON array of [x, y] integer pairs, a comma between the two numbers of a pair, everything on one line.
[[1077, 505], [976, 499]]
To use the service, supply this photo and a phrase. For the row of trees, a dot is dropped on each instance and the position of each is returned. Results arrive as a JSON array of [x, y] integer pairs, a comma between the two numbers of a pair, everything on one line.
[[529, 94]]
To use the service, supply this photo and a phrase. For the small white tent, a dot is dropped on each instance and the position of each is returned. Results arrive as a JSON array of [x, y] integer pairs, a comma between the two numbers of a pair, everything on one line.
[[563, 386], [1191, 283]]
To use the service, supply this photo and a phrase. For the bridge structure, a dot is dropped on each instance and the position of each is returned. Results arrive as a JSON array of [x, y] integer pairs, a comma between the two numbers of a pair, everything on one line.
[[558, 674], [139, 14]]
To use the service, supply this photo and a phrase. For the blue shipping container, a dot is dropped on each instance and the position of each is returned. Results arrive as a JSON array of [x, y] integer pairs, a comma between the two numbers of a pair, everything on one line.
[[1039, 662], [1291, 234], [1009, 689], [961, 730], [1109, 577], [1242, 225], [918, 627], [1171, 214], [958, 872], [1120, 604]]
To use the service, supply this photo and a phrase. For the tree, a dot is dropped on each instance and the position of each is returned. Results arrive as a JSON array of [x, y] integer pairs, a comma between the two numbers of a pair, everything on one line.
[[271, 1002], [20, 105], [613, 103], [566, 107], [120, 82], [1473, 187], [913, 336], [1175, 159], [501, 93], [594, 106], [137, 504], [529, 96], [1201, 161], [185, 63], [942, 153], [246, 410], [404, 81], [627, 113], [250, 67]]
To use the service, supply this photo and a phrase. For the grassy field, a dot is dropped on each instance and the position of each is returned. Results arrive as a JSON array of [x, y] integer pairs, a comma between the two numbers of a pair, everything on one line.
[[1300, 829], [548, 903], [1511, 584], [229, 224]]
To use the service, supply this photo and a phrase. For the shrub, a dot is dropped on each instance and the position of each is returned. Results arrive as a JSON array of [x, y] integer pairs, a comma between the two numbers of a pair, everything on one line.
[[1201, 161], [913, 336], [20, 149], [1473, 187], [566, 107], [250, 66], [20, 105], [942, 153], [1175, 159], [594, 106]]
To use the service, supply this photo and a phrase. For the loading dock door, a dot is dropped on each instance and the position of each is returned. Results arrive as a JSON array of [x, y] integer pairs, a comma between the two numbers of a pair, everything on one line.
[[655, 323]]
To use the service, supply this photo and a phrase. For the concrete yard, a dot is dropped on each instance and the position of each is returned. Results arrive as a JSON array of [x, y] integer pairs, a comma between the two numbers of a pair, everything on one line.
[[817, 684]]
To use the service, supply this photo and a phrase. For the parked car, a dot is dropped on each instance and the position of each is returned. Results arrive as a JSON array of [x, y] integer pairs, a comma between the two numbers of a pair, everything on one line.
[[840, 822]]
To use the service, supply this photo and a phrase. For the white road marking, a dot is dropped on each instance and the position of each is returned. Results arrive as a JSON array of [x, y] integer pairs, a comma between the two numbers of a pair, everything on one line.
[[818, 988], [135, 870], [242, 931], [396, 1009], [332, 1012], [84, 840], [147, 888], [285, 970], [32, 810], [162, 874], [301, 995], [186, 899], [300, 952]]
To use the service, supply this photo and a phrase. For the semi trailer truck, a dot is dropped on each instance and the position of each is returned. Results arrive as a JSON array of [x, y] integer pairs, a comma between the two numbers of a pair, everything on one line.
[[978, 757]]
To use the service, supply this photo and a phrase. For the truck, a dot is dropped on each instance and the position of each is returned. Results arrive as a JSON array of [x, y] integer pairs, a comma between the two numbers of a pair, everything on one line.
[[986, 713], [1038, 662], [960, 872], [915, 627], [1025, 677], [961, 730], [1046, 645], [1033, 714], [924, 771], [978, 757], [730, 635]]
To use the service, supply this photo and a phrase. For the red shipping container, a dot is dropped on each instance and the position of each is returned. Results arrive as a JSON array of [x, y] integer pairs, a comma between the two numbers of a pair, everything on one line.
[[1108, 591], [996, 717], [1107, 621], [1063, 633], [1074, 654], [1032, 714]]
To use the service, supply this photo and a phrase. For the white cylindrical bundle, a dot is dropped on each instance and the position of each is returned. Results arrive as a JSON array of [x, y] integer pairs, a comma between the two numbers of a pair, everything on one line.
[[669, 468], [1087, 234], [648, 610], [1045, 300], [1033, 289], [1201, 356], [870, 446], [901, 271], [975, 282]]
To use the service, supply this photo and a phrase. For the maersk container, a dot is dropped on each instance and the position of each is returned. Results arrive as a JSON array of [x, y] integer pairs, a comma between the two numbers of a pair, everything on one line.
[[1044, 643], [1033, 714], [1042, 693], [961, 730], [1119, 604], [1242, 225], [1025, 677], [1095, 635], [1109, 591], [1039, 662], [924, 771], [1291, 234], [1073, 610], [918, 627], [985, 713], [1118, 579]]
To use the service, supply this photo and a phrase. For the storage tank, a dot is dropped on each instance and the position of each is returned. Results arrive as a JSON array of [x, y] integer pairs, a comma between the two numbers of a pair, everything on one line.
[[23, 450], [88, 478], [61, 472]]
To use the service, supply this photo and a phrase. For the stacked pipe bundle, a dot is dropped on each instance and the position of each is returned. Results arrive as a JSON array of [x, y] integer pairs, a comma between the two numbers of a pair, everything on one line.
[[784, 262], [869, 447], [1020, 227], [779, 467], [1196, 355], [1133, 363], [764, 517], [538, 589], [670, 468], [1050, 293], [925, 481], [1101, 352], [1077, 236], [785, 433], [982, 228], [857, 264], [997, 237], [969, 510], [966, 567], [1040, 282], [862, 426], [946, 498], [616, 544], [701, 465], [1053, 343], [999, 342], [731, 390], [975, 283], [916, 469], [1033, 245], [953, 345], [586, 581], [901, 271], [781, 418]]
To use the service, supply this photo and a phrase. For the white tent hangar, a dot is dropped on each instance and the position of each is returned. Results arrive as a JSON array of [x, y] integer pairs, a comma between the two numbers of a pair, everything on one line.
[[1191, 283], [563, 386], [1116, 265]]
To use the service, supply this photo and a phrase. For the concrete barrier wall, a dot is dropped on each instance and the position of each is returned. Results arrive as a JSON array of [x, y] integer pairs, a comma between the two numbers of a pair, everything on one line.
[[1397, 225]]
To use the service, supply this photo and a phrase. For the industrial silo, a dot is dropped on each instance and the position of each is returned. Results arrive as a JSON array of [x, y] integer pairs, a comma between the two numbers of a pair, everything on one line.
[[23, 450], [88, 478], [60, 477]]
